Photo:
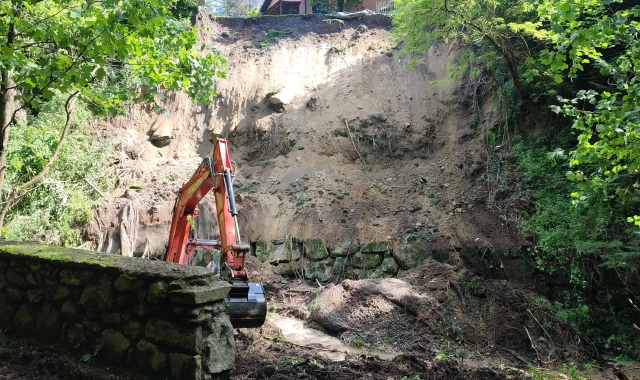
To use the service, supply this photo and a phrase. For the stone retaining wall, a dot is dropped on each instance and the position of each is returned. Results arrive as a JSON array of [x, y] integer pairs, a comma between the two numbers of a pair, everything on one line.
[[312, 260], [164, 319]]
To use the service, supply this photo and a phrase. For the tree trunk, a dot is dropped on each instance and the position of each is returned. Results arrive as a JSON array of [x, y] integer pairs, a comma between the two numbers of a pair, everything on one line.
[[512, 65], [7, 111], [6, 119], [340, 5]]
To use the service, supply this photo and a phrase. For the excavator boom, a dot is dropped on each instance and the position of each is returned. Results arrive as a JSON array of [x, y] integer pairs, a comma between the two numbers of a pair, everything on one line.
[[247, 306]]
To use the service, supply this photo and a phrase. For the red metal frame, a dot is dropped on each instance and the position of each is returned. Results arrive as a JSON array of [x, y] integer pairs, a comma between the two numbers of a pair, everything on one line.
[[180, 249]]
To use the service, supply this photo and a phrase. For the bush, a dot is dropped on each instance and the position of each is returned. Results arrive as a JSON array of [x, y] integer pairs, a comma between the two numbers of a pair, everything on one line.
[[590, 246], [53, 210]]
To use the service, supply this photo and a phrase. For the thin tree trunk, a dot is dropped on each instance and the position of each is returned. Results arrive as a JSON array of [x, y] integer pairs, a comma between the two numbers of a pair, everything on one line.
[[340, 5], [7, 105], [6, 119], [512, 66]]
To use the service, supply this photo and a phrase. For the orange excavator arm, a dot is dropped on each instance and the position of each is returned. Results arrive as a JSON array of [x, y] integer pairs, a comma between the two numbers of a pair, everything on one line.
[[246, 301]]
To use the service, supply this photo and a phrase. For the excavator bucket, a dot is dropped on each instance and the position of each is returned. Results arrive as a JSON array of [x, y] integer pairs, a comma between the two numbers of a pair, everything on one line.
[[247, 304]]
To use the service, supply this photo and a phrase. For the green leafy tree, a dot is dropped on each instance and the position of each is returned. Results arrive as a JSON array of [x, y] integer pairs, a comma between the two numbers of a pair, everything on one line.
[[183, 9], [602, 35], [233, 8], [75, 47], [330, 6], [420, 23]]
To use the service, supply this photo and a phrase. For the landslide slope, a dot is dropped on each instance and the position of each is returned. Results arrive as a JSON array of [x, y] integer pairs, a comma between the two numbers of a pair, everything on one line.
[[364, 150]]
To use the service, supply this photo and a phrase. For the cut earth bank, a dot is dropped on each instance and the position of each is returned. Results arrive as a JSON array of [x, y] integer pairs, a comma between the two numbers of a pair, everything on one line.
[[350, 167]]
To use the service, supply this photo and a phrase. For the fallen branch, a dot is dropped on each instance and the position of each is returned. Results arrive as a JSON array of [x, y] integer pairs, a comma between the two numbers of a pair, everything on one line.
[[353, 142], [533, 345], [96, 189], [543, 329], [515, 354]]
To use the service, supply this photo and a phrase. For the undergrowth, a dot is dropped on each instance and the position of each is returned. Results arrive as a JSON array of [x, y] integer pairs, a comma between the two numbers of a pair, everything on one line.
[[588, 253], [53, 210]]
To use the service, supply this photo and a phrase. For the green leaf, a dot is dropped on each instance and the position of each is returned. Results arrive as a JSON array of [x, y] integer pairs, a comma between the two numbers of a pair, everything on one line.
[[100, 73]]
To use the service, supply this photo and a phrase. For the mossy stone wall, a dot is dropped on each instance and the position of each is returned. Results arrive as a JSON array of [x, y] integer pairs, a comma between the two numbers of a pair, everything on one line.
[[312, 260], [165, 319]]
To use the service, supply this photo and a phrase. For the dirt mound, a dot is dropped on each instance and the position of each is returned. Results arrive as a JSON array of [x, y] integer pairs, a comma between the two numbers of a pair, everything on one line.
[[435, 305]]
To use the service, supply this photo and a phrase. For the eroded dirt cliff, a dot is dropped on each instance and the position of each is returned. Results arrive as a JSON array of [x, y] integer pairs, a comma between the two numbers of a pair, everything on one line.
[[365, 150]]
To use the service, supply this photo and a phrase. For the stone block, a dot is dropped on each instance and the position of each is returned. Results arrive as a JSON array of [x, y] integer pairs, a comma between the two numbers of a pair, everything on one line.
[[366, 260], [20, 266], [125, 283], [76, 278], [35, 266], [202, 294], [375, 247], [142, 310], [262, 250], [49, 323], [142, 294], [56, 292], [115, 346], [92, 325], [216, 308], [34, 279], [134, 329], [15, 294], [344, 249], [290, 269], [220, 348], [389, 266], [125, 301], [318, 270], [26, 318], [16, 279], [8, 311], [158, 292], [314, 249], [187, 338], [35, 295], [185, 367], [289, 251], [150, 357], [111, 318], [341, 267], [71, 311], [78, 336], [412, 254], [186, 311], [98, 294]]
